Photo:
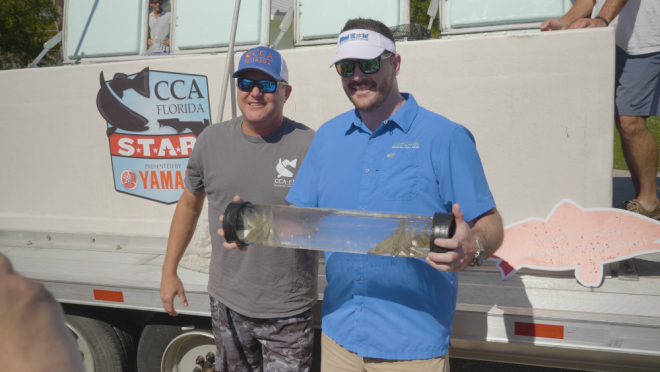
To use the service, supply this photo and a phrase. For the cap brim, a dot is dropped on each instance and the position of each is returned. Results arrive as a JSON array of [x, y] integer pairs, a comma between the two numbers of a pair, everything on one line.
[[358, 52], [270, 73]]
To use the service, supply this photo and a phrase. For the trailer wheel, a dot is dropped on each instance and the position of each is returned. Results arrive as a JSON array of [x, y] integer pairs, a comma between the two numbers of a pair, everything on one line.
[[103, 346], [172, 348]]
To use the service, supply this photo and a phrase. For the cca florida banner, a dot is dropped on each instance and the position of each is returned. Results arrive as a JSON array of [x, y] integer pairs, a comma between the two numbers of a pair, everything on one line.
[[153, 120]]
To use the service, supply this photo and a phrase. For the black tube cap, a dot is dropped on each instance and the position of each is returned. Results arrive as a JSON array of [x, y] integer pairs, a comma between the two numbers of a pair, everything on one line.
[[444, 227], [230, 221]]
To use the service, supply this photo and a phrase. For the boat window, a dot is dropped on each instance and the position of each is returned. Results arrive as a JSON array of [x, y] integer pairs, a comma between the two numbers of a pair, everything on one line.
[[478, 13], [324, 19], [105, 28], [207, 23]]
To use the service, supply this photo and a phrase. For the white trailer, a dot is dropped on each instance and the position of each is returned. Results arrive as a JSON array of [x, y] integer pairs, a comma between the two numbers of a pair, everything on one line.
[[539, 105]]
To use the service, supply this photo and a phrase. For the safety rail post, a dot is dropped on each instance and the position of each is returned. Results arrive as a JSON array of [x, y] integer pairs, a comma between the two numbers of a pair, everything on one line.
[[47, 46], [229, 63], [433, 10], [284, 26]]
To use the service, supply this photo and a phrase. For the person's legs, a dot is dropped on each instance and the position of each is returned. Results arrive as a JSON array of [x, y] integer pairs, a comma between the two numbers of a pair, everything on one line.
[[637, 97], [237, 350], [255, 345], [641, 152], [287, 343]]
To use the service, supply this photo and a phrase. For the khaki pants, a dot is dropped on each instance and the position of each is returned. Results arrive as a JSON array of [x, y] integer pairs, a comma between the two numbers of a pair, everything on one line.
[[335, 358]]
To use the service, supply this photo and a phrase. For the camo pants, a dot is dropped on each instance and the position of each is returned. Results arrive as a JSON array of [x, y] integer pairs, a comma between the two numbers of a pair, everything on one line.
[[247, 344]]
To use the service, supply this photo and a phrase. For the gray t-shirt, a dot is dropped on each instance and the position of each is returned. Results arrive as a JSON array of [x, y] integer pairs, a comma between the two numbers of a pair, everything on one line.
[[263, 282], [159, 27], [637, 26]]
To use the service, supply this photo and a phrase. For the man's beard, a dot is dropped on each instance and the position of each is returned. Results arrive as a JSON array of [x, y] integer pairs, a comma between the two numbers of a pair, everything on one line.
[[382, 92]]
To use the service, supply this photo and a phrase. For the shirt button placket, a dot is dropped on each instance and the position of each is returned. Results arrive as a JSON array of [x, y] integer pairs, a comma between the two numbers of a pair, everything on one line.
[[369, 162], [367, 179]]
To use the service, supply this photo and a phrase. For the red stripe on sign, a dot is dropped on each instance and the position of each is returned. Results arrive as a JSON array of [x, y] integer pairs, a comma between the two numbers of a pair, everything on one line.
[[113, 296], [539, 330], [172, 146]]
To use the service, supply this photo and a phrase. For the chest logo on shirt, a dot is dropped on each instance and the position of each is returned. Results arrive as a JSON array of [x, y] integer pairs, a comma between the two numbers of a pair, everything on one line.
[[283, 172], [405, 145]]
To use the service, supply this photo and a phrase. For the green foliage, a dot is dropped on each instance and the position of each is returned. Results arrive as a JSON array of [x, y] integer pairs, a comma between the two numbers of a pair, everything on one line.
[[653, 123], [24, 26], [418, 10]]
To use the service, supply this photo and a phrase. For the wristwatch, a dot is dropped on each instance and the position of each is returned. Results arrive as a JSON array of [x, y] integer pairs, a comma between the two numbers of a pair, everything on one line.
[[481, 253]]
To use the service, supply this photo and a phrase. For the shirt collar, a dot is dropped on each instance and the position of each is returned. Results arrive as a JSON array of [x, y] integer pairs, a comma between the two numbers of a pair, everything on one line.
[[162, 12], [403, 117]]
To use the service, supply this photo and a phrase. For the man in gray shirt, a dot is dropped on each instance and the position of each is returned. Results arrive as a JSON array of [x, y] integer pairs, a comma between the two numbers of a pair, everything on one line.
[[159, 27], [261, 298]]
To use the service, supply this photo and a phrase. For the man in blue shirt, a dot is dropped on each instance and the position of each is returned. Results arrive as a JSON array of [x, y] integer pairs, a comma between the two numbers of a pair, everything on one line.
[[391, 155]]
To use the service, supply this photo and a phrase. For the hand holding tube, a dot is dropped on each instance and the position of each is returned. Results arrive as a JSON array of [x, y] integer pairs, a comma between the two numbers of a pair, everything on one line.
[[462, 247], [221, 232]]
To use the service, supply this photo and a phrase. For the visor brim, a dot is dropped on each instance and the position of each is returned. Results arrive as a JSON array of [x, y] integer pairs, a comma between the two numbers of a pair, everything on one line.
[[358, 52], [270, 73]]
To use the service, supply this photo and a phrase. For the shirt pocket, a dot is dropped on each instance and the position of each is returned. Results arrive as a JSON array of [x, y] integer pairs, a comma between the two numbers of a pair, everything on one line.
[[399, 174]]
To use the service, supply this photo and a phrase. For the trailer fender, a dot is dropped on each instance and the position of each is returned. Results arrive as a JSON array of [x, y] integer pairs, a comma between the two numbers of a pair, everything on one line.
[[170, 347]]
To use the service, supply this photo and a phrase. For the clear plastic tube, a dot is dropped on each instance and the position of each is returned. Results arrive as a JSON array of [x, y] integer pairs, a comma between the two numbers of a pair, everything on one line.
[[335, 230]]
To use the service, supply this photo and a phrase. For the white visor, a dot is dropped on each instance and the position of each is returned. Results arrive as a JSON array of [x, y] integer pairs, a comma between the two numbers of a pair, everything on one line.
[[362, 44]]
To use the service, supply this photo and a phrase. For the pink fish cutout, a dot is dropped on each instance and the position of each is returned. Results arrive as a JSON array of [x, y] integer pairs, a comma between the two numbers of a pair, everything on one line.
[[576, 238]]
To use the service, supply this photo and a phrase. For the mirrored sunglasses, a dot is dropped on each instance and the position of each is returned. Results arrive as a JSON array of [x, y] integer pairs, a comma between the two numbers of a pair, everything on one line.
[[368, 66], [265, 86]]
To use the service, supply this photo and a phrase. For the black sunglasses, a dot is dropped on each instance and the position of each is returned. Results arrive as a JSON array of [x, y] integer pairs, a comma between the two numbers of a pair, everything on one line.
[[265, 86], [368, 66]]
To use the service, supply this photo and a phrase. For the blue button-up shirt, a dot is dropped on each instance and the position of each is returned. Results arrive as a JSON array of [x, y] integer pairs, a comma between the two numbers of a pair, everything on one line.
[[416, 162]]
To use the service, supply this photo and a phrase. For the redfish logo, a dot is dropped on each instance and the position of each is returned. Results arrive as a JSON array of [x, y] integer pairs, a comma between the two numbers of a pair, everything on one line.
[[579, 239], [284, 175], [281, 167]]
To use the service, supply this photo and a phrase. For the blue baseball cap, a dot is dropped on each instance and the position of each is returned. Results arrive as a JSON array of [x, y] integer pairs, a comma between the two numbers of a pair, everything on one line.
[[264, 59]]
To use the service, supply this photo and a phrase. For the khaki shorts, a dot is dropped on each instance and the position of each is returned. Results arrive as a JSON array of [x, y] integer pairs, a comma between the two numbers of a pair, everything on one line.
[[335, 358]]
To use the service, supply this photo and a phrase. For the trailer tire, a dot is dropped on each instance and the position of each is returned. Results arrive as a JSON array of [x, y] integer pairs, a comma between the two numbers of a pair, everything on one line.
[[156, 339], [111, 348]]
